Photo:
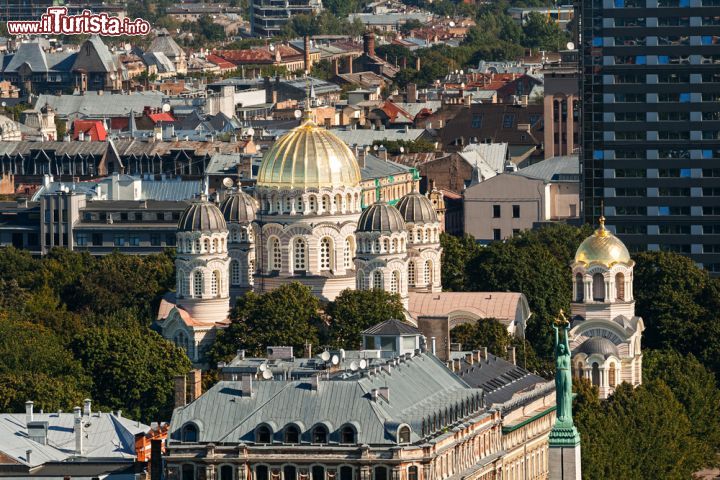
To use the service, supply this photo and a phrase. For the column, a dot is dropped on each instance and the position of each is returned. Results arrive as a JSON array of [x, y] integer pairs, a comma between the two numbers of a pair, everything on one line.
[[549, 122], [559, 126], [570, 125]]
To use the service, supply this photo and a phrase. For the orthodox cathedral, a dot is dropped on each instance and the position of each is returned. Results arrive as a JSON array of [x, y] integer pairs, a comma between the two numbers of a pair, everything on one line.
[[305, 223], [605, 332]]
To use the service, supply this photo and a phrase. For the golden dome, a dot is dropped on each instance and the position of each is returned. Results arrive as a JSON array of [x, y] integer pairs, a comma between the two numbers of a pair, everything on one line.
[[309, 157], [602, 247]]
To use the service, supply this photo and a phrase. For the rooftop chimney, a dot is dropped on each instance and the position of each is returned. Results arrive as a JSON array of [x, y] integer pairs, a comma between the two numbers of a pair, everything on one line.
[[512, 355], [432, 339], [369, 43], [78, 432], [180, 391], [384, 392], [28, 411], [87, 410], [484, 353], [27, 456], [308, 60], [469, 358], [195, 384], [247, 386], [411, 93]]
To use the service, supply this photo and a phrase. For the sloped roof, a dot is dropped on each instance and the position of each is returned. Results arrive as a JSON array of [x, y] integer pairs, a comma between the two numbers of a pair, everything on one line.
[[165, 44], [367, 136], [30, 53], [504, 306], [94, 128], [565, 168], [160, 60], [392, 327], [103, 52], [489, 157], [419, 386], [378, 168], [106, 105]]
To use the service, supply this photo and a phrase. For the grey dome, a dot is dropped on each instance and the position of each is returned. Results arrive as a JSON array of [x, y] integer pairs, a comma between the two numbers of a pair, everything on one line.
[[202, 216], [381, 217], [239, 207], [417, 208], [600, 345]]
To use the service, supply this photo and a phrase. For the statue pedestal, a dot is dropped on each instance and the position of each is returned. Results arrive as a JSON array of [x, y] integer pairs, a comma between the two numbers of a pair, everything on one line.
[[564, 455]]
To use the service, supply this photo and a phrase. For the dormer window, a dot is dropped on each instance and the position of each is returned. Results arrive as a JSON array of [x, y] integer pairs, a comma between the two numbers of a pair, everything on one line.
[[263, 434]]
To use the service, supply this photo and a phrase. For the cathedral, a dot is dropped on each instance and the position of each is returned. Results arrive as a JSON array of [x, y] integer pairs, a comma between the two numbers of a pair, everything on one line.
[[605, 332], [304, 222]]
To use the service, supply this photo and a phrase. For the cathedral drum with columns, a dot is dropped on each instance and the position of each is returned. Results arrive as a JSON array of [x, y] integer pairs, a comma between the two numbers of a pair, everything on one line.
[[605, 334]]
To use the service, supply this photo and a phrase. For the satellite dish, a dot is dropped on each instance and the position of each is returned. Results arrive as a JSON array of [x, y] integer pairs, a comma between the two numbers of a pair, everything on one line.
[[263, 367], [228, 182], [335, 360], [452, 24], [325, 356], [570, 46], [354, 366], [250, 131], [267, 374], [272, 48], [297, 114], [402, 149], [166, 107], [363, 364], [4, 104], [113, 77]]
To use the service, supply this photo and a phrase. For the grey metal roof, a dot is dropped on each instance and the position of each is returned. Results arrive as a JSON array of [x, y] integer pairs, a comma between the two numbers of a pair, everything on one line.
[[103, 52], [30, 53], [202, 216], [365, 137], [418, 386], [381, 217], [106, 105], [239, 207], [392, 327], [498, 378], [164, 43], [170, 190], [160, 60], [599, 345], [566, 168], [107, 437], [376, 167], [417, 208]]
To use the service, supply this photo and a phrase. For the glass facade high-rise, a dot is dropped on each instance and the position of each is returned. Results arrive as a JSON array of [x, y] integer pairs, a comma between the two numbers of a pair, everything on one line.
[[651, 123]]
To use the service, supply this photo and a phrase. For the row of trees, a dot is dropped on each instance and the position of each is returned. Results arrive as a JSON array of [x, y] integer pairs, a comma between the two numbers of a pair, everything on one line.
[[74, 326], [668, 427]]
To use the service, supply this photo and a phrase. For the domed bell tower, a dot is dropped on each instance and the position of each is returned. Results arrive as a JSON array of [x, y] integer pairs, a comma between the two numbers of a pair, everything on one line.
[[605, 334], [239, 210]]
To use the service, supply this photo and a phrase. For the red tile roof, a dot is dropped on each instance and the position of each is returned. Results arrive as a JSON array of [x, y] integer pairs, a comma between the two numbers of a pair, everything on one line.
[[220, 62], [94, 128], [161, 117]]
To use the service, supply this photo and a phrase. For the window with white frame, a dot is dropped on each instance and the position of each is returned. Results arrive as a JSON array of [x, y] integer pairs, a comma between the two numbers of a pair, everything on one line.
[[325, 253], [411, 274], [235, 272], [275, 254], [377, 279], [395, 282], [361, 280], [300, 254], [428, 272], [215, 284], [197, 284]]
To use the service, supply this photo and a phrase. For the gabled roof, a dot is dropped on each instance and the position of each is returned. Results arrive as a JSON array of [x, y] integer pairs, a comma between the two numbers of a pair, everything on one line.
[[165, 44], [554, 169], [503, 306], [392, 327], [30, 53], [93, 128]]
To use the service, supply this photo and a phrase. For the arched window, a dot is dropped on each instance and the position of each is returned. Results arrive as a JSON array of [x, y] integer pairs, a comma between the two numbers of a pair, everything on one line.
[[411, 274], [318, 472], [197, 284], [427, 234], [275, 254], [348, 202], [428, 273], [182, 341], [596, 374], [376, 245], [215, 245], [598, 287], [197, 245], [243, 235], [325, 204], [311, 202], [263, 434], [325, 253], [395, 246], [361, 280], [188, 246], [346, 473], [189, 433], [320, 434], [347, 434], [299, 205], [235, 276], [395, 282], [188, 471], [235, 235], [261, 473], [289, 472], [292, 434], [288, 204], [348, 253], [579, 288], [620, 286], [380, 473], [377, 278], [215, 284], [300, 255], [611, 375], [404, 434], [412, 473], [206, 245], [386, 245], [338, 202], [226, 472], [184, 286]]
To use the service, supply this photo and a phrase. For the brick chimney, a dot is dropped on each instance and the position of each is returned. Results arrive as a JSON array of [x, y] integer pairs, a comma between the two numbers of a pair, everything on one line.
[[369, 43], [195, 384], [180, 391], [411, 93], [306, 48]]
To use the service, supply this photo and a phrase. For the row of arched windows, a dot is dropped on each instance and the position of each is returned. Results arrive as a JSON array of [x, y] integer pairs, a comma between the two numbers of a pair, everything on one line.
[[197, 288], [299, 252], [598, 287], [596, 377], [287, 204], [241, 234], [188, 471], [427, 271], [384, 245], [202, 245], [424, 235]]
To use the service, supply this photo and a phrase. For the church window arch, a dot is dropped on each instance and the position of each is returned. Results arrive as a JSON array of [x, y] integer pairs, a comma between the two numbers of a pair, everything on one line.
[[184, 286], [428, 278], [235, 276], [299, 254], [188, 245], [206, 245], [395, 246], [275, 253], [348, 253], [611, 375], [235, 234], [325, 203], [326, 251], [250, 271], [411, 274], [182, 341], [288, 204], [215, 284], [197, 245], [598, 287], [376, 246], [579, 288], [395, 282], [215, 245], [426, 235], [361, 280], [620, 286], [595, 374], [386, 245], [312, 204], [338, 202], [299, 206], [377, 279], [197, 284]]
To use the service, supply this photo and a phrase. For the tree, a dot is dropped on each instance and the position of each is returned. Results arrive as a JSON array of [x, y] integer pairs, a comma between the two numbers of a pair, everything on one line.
[[486, 332], [457, 253], [356, 310], [543, 33], [133, 369], [288, 316]]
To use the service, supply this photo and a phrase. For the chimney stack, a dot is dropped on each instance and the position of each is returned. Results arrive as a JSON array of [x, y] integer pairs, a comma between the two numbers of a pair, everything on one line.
[[412, 93], [469, 358], [369, 43], [432, 340], [28, 411], [87, 410], [78, 431], [512, 355], [247, 386], [180, 391], [27, 456], [308, 60], [195, 384], [484, 353]]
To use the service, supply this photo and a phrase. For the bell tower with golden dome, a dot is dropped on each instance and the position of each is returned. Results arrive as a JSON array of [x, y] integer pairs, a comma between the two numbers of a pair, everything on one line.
[[605, 334]]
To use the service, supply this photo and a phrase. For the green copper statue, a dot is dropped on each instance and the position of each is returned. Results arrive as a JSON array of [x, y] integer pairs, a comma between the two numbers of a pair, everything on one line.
[[564, 432], [563, 373]]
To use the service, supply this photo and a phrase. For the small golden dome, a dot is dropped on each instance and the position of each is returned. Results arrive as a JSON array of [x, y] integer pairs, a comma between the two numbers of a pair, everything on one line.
[[602, 247], [309, 157]]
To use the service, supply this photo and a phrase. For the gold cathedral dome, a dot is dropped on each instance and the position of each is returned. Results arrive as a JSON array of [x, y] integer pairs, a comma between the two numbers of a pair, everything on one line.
[[602, 247], [309, 157]]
